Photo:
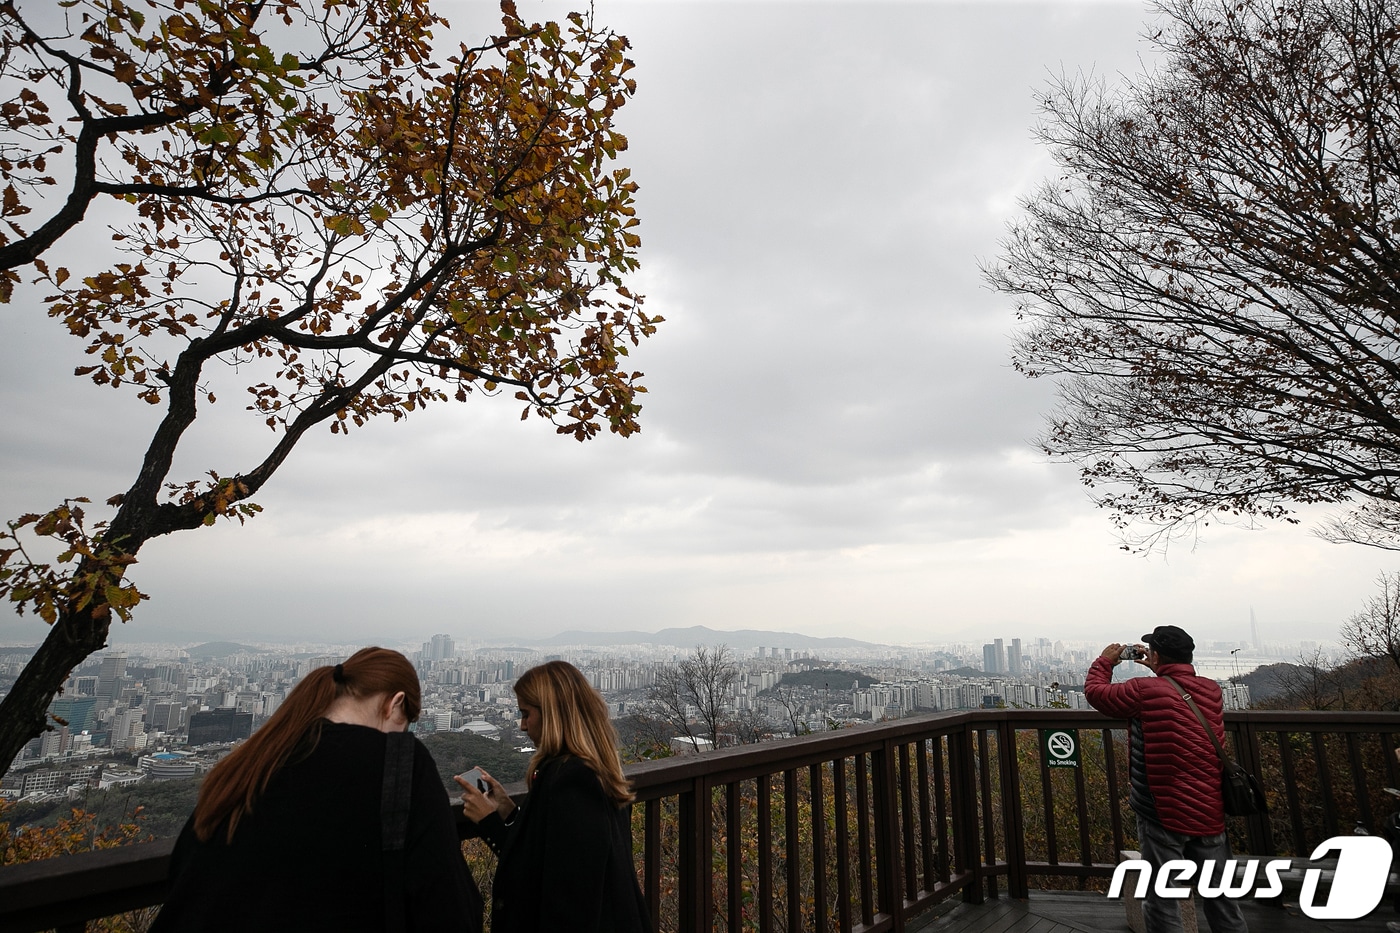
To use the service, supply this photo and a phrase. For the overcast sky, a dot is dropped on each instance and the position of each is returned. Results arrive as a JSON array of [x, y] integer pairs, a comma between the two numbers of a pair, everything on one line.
[[833, 443]]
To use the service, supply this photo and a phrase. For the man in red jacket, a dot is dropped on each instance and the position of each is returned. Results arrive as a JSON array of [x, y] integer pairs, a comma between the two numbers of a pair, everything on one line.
[[1173, 769]]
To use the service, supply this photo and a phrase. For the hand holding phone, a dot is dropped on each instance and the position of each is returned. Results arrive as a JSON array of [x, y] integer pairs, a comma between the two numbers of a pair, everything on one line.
[[477, 808], [475, 778]]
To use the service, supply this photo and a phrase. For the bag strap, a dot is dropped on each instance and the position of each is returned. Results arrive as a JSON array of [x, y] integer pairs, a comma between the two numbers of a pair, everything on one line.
[[1210, 733], [393, 823]]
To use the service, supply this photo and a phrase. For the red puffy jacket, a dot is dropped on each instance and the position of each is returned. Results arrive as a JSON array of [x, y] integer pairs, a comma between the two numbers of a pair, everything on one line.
[[1172, 766]]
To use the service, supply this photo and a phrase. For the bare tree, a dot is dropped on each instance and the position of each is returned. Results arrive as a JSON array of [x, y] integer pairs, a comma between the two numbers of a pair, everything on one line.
[[643, 736], [748, 727], [1375, 631], [693, 696], [1211, 276], [787, 697], [1311, 682]]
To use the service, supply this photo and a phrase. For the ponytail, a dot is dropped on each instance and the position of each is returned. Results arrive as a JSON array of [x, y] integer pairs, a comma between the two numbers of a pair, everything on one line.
[[234, 785]]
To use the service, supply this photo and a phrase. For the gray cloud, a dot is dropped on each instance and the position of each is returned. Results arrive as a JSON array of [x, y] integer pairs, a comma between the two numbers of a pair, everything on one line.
[[833, 437]]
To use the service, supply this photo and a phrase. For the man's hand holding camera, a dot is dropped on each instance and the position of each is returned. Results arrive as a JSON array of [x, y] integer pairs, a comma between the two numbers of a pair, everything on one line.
[[1118, 652]]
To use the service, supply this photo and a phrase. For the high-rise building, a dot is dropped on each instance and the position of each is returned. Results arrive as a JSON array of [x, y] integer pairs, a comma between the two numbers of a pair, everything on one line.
[[168, 678], [219, 725], [1014, 664], [109, 676], [79, 712], [323, 660], [441, 648], [54, 743], [165, 715], [129, 728], [991, 659]]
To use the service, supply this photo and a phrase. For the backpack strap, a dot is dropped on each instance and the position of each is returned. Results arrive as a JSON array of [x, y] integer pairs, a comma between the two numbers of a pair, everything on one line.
[[393, 824], [1210, 733]]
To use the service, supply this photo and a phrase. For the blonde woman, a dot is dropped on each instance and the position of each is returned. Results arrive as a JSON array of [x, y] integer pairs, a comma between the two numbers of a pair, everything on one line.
[[564, 858]]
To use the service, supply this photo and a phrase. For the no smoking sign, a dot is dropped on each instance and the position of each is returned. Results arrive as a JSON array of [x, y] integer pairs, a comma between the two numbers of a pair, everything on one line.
[[1060, 747]]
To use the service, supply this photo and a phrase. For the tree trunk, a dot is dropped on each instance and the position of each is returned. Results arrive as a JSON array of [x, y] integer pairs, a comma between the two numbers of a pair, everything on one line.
[[24, 711]]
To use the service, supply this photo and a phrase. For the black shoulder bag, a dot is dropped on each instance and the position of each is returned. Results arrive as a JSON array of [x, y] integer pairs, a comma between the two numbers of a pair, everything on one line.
[[1239, 790], [393, 824]]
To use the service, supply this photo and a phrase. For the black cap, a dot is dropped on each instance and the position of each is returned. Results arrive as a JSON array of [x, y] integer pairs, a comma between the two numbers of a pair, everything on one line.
[[1171, 642]]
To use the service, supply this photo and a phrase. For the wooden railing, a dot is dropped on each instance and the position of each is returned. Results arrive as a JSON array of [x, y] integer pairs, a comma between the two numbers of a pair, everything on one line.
[[861, 829]]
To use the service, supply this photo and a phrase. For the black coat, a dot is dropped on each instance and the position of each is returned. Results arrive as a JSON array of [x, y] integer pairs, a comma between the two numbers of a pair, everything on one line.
[[565, 862], [308, 856]]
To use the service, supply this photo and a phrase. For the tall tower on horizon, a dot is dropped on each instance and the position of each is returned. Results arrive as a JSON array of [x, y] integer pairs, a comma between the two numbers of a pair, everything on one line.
[[441, 648], [1254, 633]]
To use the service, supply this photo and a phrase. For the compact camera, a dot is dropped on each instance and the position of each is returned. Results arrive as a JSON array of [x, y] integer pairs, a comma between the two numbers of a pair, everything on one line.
[[1133, 653]]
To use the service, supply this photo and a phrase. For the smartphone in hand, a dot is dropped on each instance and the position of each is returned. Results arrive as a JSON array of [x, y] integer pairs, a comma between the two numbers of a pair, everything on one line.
[[475, 778]]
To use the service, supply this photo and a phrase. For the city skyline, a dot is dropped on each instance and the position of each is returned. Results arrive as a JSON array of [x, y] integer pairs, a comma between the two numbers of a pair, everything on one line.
[[179, 709], [164, 700], [1218, 659], [833, 442]]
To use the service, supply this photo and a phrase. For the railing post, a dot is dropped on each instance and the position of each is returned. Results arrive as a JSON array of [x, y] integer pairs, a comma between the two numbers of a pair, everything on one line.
[[651, 858], [867, 895], [887, 836], [989, 831], [1261, 841], [792, 851], [844, 914], [694, 857], [963, 774], [1017, 884], [819, 890], [906, 824], [1115, 810], [763, 808], [1299, 842], [733, 857], [921, 773]]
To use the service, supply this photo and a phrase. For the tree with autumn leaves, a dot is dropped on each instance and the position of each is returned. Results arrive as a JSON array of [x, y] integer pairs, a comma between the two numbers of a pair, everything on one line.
[[314, 193]]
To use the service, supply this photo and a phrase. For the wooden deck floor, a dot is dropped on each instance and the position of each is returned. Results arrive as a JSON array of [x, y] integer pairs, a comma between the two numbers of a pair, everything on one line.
[[1074, 912]]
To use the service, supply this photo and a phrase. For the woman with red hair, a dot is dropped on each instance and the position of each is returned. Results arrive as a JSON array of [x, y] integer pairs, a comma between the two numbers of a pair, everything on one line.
[[295, 830]]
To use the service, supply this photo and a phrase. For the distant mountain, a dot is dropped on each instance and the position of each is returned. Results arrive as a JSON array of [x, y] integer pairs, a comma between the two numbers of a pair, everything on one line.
[[211, 650], [740, 640]]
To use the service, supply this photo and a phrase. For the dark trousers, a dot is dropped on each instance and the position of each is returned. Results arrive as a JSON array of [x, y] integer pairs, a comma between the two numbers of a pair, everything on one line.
[[1160, 845]]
